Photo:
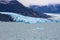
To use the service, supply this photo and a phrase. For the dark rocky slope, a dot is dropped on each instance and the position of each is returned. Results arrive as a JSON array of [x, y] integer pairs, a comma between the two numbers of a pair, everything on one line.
[[6, 18]]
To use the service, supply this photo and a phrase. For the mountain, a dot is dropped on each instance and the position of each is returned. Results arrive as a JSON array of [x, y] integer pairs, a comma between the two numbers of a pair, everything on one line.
[[16, 7], [47, 8], [14, 10]]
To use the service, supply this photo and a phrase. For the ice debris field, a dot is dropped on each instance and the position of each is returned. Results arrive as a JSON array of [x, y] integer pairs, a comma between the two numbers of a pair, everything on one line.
[[30, 20]]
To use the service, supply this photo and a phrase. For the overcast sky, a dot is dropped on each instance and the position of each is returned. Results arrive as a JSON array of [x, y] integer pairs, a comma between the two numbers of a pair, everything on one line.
[[39, 2]]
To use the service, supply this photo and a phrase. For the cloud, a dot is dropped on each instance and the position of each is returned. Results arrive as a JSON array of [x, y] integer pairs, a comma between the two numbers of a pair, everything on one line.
[[38, 2]]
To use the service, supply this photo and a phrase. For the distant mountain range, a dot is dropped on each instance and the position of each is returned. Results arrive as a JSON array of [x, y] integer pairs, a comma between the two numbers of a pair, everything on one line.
[[47, 8]]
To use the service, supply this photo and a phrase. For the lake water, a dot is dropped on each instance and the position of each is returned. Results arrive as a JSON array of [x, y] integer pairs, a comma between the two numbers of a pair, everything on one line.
[[22, 31]]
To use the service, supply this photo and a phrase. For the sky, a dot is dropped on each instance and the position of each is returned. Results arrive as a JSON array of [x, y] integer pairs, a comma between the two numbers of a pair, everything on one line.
[[27, 3]]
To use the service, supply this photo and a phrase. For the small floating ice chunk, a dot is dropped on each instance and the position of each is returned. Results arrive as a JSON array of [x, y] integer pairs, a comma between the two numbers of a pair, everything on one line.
[[39, 29]]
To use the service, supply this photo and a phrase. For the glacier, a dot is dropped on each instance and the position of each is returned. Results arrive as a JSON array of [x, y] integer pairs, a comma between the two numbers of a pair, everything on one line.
[[30, 20]]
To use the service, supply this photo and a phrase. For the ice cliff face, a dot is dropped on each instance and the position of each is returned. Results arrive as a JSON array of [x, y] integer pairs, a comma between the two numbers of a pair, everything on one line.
[[13, 17]]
